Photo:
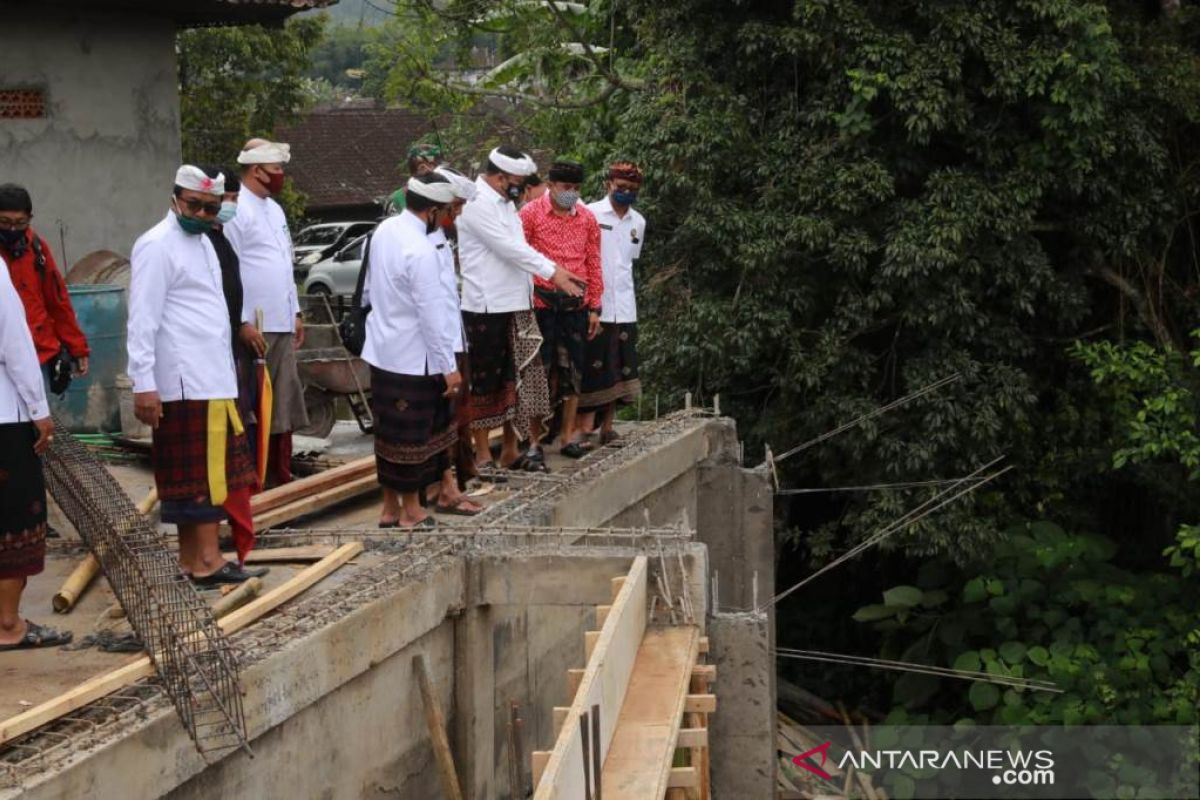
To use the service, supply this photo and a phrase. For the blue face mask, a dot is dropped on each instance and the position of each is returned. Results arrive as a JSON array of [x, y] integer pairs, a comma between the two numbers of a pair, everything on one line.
[[227, 213], [623, 198]]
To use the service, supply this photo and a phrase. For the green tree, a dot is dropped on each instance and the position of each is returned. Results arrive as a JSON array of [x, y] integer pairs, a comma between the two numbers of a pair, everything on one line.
[[240, 82]]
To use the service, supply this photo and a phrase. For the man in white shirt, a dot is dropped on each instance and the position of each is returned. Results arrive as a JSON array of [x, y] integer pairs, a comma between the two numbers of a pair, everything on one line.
[[26, 430], [610, 371], [498, 266], [260, 237], [410, 340], [451, 497], [184, 384]]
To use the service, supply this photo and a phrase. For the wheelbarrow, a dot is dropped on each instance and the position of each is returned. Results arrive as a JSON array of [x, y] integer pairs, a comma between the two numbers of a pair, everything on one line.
[[327, 374]]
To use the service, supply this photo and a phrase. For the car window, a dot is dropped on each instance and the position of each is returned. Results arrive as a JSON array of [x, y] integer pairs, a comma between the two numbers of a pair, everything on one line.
[[318, 236], [353, 251]]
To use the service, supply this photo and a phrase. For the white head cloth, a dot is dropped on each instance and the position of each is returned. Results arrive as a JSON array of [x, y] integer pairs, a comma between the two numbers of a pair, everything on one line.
[[189, 177], [266, 153], [437, 192], [464, 187], [513, 166]]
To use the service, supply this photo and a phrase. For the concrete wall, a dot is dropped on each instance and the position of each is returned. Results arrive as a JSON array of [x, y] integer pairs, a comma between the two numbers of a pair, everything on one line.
[[101, 163], [365, 740]]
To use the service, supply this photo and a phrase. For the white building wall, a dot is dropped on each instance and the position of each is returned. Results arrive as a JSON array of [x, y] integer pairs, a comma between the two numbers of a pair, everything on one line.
[[101, 163]]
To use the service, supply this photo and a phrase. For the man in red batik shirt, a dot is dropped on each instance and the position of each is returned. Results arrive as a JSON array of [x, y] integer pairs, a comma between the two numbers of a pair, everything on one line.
[[564, 230], [40, 285]]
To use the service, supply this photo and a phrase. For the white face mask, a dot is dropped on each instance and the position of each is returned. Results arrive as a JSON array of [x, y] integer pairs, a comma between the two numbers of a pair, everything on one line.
[[228, 212]]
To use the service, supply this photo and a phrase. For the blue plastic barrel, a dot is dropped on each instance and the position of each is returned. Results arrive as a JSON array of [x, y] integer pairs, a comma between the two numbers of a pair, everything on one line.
[[91, 405]]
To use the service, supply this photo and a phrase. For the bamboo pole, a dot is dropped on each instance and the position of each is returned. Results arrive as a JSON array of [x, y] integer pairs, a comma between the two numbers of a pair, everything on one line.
[[244, 593], [81, 577]]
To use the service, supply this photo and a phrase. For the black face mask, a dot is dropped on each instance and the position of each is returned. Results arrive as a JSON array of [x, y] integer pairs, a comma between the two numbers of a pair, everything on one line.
[[514, 192], [13, 241]]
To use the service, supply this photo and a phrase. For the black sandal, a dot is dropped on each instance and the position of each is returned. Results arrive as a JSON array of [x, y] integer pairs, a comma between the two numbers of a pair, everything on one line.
[[530, 461], [489, 471], [39, 636], [229, 573], [573, 450]]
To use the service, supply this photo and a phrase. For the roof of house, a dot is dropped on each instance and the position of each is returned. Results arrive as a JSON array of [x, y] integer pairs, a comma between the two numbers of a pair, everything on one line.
[[351, 156], [201, 12]]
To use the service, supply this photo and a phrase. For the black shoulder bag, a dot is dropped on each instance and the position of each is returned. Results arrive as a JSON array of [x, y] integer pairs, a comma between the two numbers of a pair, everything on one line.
[[353, 327]]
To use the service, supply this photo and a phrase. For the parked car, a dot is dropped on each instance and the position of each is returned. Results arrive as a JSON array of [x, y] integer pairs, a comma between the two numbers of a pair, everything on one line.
[[337, 274], [317, 242]]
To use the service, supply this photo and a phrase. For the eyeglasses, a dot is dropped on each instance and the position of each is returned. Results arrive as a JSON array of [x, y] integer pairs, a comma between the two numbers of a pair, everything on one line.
[[13, 224], [196, 206]]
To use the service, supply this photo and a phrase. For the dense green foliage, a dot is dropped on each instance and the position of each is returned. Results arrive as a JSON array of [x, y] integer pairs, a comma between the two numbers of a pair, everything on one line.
[[1124, 647], [239, 82], [848, 199]]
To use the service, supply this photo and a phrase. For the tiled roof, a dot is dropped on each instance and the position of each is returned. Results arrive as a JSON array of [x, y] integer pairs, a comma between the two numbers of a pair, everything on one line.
[[351, 156]]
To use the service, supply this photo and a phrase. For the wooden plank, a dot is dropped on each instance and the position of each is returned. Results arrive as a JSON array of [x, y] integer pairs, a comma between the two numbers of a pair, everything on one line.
[[574, 678], [590, 638], [604, 682], [285, 555], [617, 583], [683, 778], [286, 591], [692, 737], [296, 490], [315, 502], [701, 703], [704, 672], [436, 722], [703, 645], [142, 667], [647, 733], [539, 759], [602, 615], [560, 716]]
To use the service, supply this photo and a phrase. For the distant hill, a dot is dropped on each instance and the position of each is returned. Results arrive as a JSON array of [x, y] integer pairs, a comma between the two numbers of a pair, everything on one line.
[[349, 12]]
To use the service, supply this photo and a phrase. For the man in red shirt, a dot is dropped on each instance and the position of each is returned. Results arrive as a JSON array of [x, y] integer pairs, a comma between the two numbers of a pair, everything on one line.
[[564, 230], [39, 283]]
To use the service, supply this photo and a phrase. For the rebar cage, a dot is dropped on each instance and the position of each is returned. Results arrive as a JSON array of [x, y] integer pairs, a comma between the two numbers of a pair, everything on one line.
[[194, 660]]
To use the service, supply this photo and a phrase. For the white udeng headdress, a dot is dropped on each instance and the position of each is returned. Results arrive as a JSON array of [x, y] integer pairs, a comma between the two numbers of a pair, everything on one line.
[[266, 153], [437, 192], [189, 177], [513, 166], [464, 187]]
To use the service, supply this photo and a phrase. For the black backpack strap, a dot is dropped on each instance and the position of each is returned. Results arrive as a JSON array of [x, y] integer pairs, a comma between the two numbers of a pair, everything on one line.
[[362, 273]]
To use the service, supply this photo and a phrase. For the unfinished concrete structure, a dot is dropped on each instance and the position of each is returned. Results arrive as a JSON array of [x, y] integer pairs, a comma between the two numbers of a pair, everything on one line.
[[500, 611]]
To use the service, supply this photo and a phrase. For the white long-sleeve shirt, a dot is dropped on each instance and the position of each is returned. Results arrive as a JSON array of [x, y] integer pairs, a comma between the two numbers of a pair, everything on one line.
[[620, 245], [260, 237], [411, 329], [22, 392], [449, 282], [497, 263], [178, 333]]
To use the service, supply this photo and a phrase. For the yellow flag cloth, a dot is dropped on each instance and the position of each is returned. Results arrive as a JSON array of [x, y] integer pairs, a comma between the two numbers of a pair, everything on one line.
[[221, 414]]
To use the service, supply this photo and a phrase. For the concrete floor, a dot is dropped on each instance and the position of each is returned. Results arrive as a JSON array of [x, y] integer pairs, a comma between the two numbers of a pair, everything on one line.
[[30, 677]]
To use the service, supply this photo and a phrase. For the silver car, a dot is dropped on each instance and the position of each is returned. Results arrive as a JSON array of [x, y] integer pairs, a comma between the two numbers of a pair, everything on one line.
[[337, 274]]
